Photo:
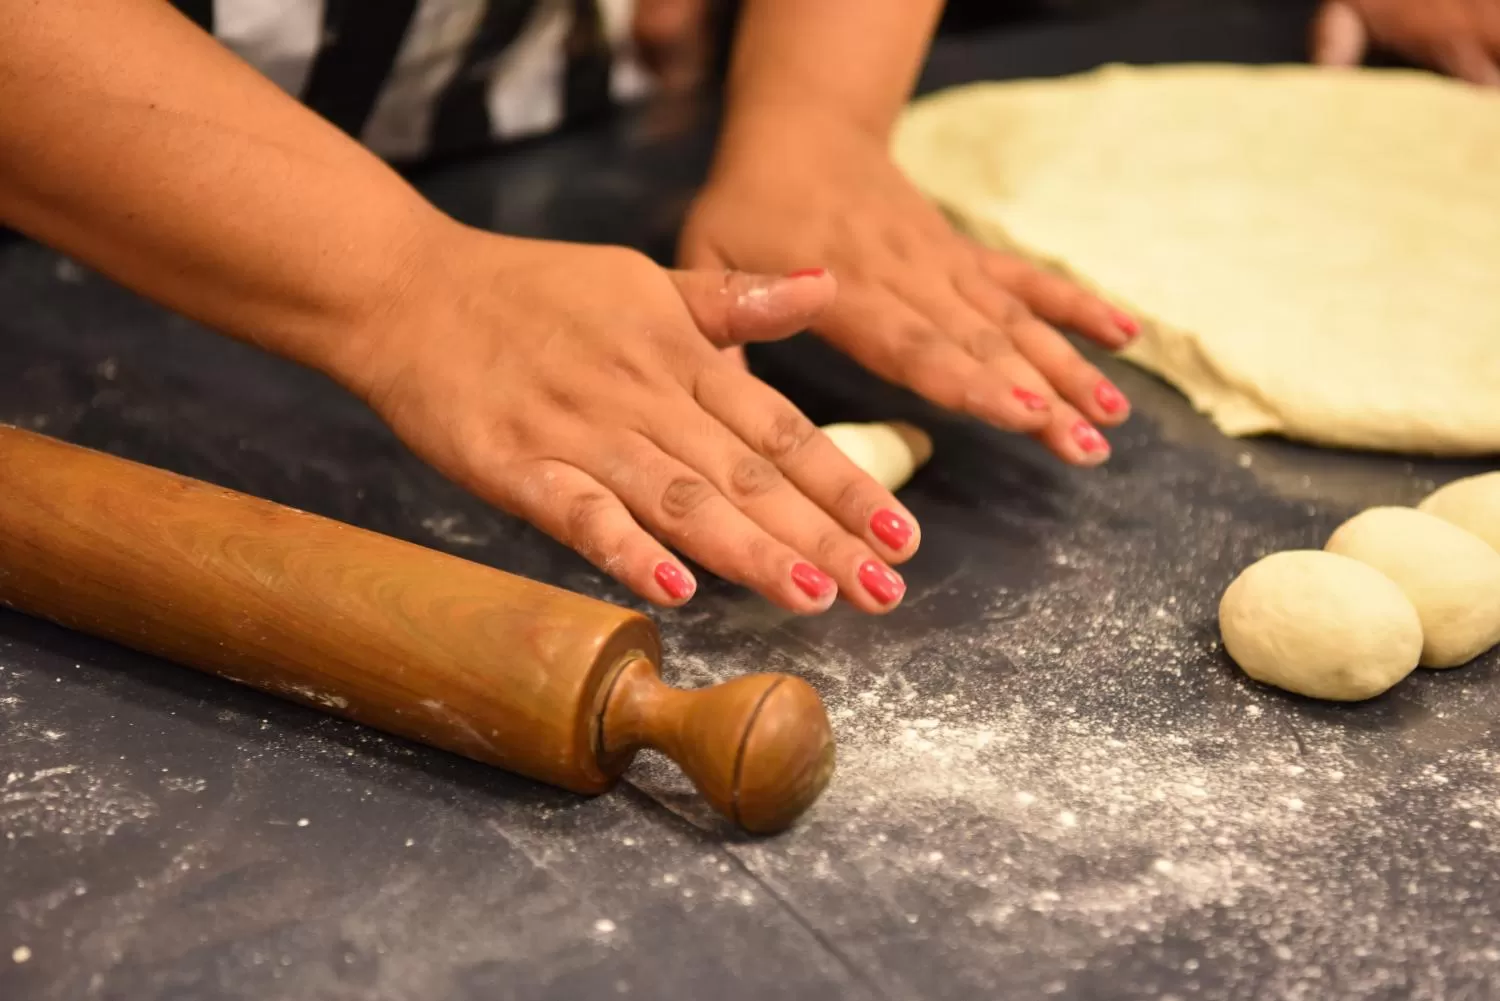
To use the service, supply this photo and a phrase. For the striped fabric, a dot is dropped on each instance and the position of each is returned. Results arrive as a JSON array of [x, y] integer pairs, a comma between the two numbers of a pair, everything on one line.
[[414, 79]]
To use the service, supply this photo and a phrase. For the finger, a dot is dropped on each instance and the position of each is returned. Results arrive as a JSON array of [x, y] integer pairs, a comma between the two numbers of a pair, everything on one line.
[[963, 366], [734, 307], [681, 506], [1467, 59], [754, 485], [577, 511], [1053, 298], [774, 429], [1011, 315], [1075, 380], [1073, 438], [1063, 371], [1339, 36]]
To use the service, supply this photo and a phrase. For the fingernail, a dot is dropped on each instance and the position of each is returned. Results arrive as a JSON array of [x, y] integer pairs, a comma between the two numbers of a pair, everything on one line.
[[892, 529], [1032, 400], [674, 580], [1127, 323], [808, 273], [1111, 400], [1088, 438], [882, 583], [811, 581]]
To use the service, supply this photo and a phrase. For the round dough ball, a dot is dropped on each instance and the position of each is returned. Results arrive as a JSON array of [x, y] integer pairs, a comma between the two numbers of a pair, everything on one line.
[[1472, 503], [1452, 576], [1321, 625], [891, 453]]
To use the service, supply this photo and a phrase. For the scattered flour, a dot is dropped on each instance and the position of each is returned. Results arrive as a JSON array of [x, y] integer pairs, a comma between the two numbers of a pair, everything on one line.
[[1066, 772], [68, 801], [448, 528]]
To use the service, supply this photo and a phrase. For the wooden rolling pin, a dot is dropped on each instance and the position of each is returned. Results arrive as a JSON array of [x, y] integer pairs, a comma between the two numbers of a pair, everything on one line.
[[501, 669]]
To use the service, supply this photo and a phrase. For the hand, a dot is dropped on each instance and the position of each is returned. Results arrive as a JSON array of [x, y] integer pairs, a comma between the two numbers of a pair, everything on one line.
[[1459, 37], [919, 304], [675, 40], [580, 388]]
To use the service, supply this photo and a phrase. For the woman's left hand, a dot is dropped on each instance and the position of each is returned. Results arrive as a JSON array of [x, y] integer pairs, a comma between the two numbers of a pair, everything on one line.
[[919, 304]]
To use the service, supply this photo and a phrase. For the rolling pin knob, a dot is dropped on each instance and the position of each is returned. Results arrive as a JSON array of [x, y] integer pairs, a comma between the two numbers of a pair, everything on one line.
[[759, 748]]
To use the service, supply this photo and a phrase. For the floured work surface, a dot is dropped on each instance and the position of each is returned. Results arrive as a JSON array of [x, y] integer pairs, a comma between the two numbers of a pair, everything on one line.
[[1317, 252], [1051, 782]]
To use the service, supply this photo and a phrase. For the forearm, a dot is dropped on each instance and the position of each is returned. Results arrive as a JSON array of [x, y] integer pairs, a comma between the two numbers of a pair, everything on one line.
[[134, 142], [855, 61]]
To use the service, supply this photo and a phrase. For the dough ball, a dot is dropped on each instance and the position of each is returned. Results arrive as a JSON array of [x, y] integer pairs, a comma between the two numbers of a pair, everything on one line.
[[1472, 503], [1451, 575], [891, 453], [1321, 625]]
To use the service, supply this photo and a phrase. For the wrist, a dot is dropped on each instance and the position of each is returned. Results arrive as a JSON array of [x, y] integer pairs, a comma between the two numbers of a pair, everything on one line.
[[783, 132], [382, 313]]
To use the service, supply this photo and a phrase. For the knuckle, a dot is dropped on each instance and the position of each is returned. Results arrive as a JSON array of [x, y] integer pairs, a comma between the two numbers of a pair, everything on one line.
[[684, 495], [1068, 357], [561, 396], [761, 555], [1042, 341], [828, 547], [942, 378], [914, 346], [626, 367], [944, 388], [1085, 376], [851, 498], [989, 344], [1011, 311], [789, 434], [752, 477], [899, 244], [584, 515]]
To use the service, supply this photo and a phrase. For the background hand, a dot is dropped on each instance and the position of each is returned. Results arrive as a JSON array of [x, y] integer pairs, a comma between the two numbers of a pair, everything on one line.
[[675, 41], [1459, 37], [918, 304]]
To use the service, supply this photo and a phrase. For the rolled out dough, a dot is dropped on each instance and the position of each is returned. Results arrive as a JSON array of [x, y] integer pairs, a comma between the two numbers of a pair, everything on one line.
[[1316, 253]]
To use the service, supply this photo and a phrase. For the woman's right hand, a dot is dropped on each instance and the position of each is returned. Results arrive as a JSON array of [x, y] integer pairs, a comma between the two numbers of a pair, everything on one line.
[[1459, 37], [582, 388]]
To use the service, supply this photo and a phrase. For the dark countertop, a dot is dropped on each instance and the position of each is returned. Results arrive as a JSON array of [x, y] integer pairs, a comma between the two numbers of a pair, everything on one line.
[[1051, 782]]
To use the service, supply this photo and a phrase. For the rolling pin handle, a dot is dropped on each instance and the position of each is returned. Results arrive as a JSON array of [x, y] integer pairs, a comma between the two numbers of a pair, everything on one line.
[[759, 748]]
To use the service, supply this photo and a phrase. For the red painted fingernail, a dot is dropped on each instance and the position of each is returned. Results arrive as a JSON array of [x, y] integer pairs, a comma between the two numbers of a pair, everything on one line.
[[892, 529], [882, 583], [808, 273], [811, 581], [1030, 399], [1125, 322], [674, 580], [1088, 437], [1111, 400]]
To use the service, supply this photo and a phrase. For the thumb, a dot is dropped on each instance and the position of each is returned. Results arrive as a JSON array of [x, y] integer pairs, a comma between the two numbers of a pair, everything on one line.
[[1339, 36], [734, 307]]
